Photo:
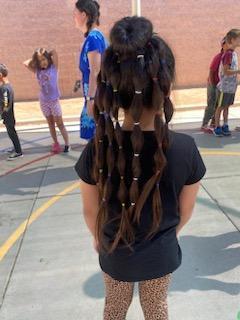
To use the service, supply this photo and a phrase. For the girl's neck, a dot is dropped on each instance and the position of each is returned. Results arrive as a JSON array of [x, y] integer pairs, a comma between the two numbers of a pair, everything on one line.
[[94, 26], [3, 81], [146, 121]]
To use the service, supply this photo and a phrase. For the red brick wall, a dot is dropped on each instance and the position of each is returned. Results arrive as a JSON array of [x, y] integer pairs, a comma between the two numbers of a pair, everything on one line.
[[192, 28]]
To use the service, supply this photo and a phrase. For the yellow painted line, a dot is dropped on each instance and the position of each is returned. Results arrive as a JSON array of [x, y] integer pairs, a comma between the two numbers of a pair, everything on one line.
[[20, 230], [35, 215], [219, 153]]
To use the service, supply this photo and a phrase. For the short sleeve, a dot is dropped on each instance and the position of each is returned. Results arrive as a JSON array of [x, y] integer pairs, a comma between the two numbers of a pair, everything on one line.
[[227, 58], [197, 167], [85, 164], [94, 43], [215, 63]]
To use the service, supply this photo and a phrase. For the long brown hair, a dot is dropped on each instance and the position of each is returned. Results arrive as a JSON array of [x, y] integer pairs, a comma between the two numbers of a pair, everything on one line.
[[137, 72], [35, 64], [92, 10]]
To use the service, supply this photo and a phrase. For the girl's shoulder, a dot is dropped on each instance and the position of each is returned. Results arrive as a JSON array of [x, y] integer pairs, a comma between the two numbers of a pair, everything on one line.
[[95, 41], [95, 32], [180, 142], [95, 35]]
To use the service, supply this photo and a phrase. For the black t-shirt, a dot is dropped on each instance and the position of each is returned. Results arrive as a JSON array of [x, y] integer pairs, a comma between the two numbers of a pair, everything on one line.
[[161, 255], [7, 102]]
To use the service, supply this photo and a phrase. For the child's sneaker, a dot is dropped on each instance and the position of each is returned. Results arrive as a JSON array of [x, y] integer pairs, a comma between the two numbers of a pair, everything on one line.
[[225, 130], [206, 129], [56, 148], [218, 132], [66, 149], [14, 156]]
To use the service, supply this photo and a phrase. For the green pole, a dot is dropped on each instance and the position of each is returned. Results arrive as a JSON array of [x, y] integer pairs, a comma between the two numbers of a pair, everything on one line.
[[136, 8]]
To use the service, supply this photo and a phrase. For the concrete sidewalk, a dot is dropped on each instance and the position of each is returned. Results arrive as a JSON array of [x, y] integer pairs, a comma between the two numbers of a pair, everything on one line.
[[192, 101]]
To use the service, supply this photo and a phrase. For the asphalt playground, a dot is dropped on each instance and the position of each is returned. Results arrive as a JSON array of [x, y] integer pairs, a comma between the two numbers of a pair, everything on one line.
[[48, 267]]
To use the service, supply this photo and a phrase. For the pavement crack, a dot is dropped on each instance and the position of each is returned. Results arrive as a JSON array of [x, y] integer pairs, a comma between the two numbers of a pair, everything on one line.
[[220, 208]]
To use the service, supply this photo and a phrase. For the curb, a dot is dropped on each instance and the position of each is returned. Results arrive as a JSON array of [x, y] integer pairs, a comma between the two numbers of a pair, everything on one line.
[[35, 123]]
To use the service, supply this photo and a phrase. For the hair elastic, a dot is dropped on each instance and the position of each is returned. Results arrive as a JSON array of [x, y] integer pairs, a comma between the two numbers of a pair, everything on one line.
[[117, 54], [135, 178], [115, 90], [140, 56], [136, 155], [133, 204], [123, 204], [136, 123], [138, 92]]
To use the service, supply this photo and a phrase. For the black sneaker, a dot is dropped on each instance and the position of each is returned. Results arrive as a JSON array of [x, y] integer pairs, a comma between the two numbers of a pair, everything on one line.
[[66, 149], [14, 156]]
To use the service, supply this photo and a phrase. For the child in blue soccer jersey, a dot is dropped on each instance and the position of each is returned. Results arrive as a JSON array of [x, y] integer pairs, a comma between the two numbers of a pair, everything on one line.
[[86, 16]]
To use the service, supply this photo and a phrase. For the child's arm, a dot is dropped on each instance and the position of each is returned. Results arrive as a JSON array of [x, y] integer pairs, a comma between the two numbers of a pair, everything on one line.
[[228, 72], [227, 61], [54, 56], [5, 102], [90, 200], [211, 77], [29, 64], [187, 201], [94, 58]]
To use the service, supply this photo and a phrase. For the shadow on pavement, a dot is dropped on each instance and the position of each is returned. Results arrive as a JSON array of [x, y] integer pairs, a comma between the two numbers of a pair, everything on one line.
[[203, 259], [24, 182]]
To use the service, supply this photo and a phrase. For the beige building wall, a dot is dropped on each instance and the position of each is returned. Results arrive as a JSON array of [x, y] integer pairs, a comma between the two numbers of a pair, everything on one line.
[[192, 28]]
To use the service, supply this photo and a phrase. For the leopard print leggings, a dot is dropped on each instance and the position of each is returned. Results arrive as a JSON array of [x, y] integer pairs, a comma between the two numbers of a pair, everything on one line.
[[152, 294]]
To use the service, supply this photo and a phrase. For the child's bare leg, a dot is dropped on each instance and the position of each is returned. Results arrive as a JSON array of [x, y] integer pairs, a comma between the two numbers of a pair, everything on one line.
[[62, 128], [218, 116], [225, 114], [51, 125]]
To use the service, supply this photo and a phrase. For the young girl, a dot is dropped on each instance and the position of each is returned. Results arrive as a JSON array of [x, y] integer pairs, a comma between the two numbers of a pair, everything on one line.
[[45, 65], [139, 181], [86, 16]]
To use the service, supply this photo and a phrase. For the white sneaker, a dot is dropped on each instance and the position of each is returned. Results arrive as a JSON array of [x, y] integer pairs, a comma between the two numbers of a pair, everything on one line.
[[14, 156]]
